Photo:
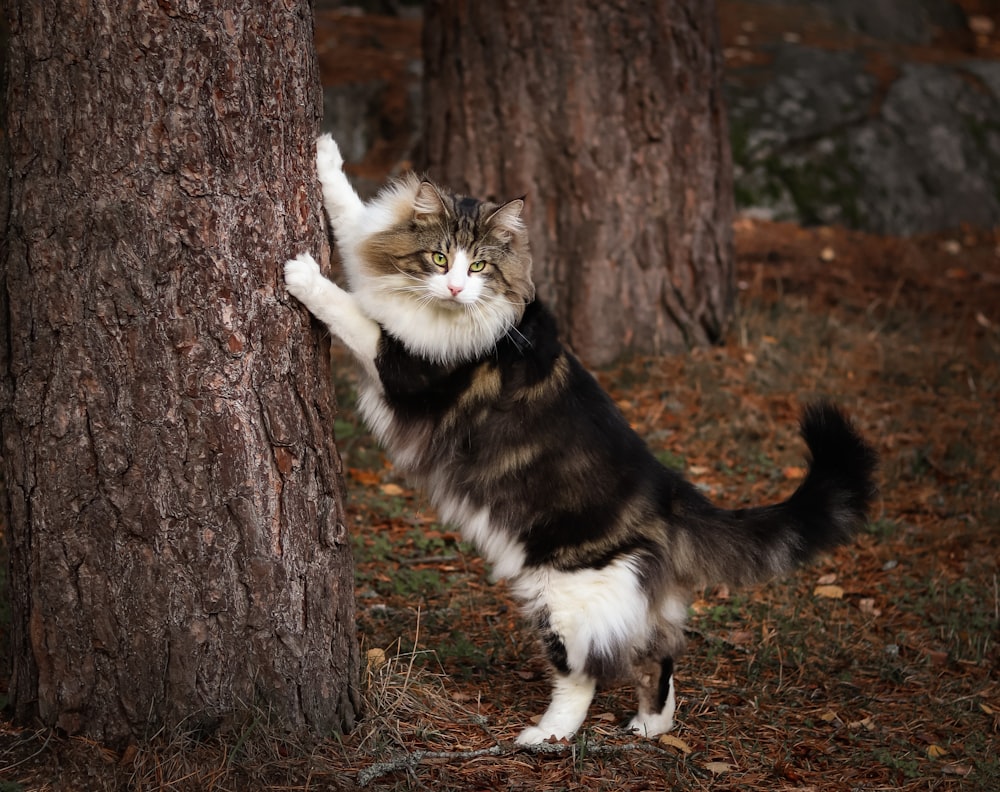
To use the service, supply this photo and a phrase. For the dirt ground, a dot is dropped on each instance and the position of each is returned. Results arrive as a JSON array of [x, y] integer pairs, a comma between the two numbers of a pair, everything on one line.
[[875, 668]]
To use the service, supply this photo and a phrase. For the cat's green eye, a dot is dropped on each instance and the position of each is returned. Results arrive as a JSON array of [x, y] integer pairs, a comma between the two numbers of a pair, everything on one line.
[[477, 266], [439, 259]]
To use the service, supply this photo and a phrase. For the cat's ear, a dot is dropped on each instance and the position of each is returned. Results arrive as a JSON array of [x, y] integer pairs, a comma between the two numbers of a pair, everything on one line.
[[428, 203], [508, 217]]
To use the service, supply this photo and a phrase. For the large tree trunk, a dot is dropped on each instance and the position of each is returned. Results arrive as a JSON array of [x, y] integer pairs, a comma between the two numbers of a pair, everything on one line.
[[609, 117], [174, 496]]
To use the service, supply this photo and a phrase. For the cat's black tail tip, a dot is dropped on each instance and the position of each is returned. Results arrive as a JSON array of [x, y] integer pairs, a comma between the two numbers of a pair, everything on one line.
[[841, 473], [835, 442]]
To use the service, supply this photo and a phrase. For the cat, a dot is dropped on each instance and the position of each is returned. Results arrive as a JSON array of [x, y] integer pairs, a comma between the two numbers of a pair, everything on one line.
[[469, 389]]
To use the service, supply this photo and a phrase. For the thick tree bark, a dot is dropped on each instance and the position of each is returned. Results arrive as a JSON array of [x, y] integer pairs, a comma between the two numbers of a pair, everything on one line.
[[174, 496], [609, 117]]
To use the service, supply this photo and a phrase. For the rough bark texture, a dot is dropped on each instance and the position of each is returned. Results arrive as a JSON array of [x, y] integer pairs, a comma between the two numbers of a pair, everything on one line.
[[174, 495], [609, 117]]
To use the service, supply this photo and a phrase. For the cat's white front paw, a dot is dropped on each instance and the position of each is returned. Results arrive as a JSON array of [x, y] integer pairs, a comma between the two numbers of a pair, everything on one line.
[[535, 735], [301, 276], [328, 158]]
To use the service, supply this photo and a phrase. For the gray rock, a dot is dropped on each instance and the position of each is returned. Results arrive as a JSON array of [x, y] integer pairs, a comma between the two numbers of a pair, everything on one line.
[[929, 159], [897, 21], [812, 143], [788, 124]]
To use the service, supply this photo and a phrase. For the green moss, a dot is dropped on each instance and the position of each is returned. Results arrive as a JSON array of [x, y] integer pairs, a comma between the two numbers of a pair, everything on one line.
[[825, 180]]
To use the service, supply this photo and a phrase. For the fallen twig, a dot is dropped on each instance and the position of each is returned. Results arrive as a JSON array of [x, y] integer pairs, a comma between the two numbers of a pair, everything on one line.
[[411, 760]]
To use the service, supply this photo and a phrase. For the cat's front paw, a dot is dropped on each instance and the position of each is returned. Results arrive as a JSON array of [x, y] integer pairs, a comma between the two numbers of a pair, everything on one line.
[[535, 735], [301, 276], [328, 158]]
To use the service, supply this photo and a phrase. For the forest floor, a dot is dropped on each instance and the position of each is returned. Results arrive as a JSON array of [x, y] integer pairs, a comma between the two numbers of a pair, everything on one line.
[[874, 668]]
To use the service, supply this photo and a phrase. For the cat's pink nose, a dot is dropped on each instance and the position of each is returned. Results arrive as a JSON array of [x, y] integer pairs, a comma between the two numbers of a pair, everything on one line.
[[455, 290]]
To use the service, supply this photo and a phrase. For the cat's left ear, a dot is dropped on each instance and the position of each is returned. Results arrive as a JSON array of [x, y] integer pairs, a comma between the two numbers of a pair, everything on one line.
[[508, 217]]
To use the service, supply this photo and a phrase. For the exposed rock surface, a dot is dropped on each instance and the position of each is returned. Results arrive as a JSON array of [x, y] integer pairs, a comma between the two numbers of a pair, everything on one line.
[[842, 119]]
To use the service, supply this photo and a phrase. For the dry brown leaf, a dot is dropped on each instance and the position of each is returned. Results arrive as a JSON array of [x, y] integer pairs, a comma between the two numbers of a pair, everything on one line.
[[700, 605], [392, 489], [826, 580], [718, 768], [675, 742], [128, 755], [740, 637], [829, 592], [366, 477], [935, 751]]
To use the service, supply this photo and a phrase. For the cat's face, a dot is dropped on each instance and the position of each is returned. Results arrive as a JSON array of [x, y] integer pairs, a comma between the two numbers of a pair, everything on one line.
[[448, 270]]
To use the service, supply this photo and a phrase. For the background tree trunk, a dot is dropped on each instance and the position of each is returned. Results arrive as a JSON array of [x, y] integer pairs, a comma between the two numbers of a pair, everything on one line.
[[609, 117], [174, 495]]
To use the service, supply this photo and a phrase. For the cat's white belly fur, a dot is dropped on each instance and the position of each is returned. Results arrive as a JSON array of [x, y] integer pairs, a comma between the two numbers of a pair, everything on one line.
[[595, 612]]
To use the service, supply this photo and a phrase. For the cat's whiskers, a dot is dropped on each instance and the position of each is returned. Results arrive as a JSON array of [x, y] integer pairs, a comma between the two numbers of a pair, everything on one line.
[[511, 331], [490, 320], [411, 275]]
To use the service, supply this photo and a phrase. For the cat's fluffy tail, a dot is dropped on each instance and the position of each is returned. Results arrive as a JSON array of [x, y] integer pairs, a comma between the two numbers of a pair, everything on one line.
[[830, 505]]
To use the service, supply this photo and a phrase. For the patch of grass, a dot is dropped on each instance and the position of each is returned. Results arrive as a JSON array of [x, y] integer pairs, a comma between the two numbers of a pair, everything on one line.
[[882, 528], [725, 613], [671, 460]]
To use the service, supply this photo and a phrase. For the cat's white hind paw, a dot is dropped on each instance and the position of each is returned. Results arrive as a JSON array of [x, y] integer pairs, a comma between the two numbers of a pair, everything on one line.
[[328, 158], [651, 725], [301, 276]]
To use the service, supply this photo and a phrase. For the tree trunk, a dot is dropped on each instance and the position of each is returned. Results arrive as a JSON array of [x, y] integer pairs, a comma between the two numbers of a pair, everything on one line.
[[173, 492], [609, 117]]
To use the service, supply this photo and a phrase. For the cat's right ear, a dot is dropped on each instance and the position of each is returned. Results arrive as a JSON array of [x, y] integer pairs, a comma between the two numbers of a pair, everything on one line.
[[508, 216], [427, 203]]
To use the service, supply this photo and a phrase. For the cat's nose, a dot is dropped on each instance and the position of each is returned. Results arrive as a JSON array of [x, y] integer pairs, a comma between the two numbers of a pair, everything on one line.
[[455, 290]]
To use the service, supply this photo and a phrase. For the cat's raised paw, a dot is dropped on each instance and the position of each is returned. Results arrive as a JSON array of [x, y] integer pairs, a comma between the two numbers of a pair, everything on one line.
[[328, 157], [301, 274]]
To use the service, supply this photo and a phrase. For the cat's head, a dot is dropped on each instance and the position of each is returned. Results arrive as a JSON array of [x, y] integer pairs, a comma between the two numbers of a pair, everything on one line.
[[446, 274]]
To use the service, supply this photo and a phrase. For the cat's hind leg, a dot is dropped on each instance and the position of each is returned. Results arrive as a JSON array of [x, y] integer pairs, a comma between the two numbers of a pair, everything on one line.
[[343, 206], [656, 697], [654, 669]]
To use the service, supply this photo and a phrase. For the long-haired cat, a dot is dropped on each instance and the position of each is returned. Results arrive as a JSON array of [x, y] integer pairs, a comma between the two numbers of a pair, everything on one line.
[[467, 386]]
